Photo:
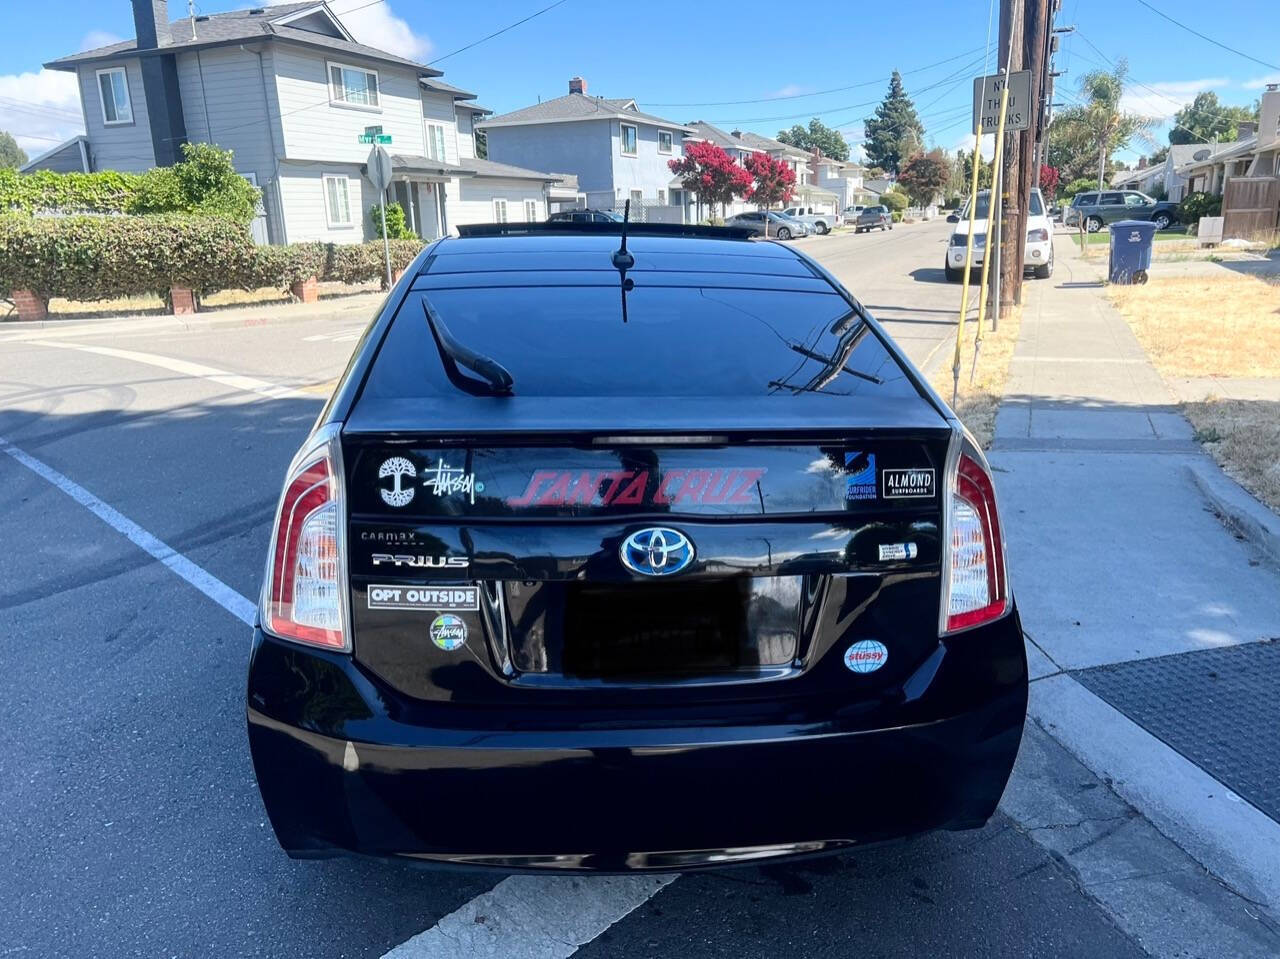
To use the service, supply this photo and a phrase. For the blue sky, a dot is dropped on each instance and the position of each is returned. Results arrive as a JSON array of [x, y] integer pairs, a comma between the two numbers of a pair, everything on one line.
[[682, 60]]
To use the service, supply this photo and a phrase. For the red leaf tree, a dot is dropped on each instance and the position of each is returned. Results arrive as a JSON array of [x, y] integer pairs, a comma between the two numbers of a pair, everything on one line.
[[709, 172], [1049, 180], [925, 176], [774, 180]]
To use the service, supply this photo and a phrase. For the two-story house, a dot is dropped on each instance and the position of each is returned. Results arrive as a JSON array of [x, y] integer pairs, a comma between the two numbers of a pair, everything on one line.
[[807, 191], [617, 152], [291, 93], [845, 179]]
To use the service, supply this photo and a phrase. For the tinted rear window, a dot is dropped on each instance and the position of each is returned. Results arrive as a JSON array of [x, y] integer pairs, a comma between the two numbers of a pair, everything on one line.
[[570, 340]]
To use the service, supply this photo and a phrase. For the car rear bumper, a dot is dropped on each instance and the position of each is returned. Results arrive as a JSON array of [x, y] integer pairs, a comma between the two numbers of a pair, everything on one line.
[[343, 770], [1035, 255]]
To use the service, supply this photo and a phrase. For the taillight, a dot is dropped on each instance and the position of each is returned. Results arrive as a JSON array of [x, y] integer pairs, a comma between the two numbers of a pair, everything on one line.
[[303, 596], [1039, 235], [977, 589]]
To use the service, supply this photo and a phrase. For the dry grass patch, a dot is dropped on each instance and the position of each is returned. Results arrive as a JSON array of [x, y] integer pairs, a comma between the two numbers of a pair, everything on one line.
[[978, 400], [221, 300], [1244, 437], [1206, 326]]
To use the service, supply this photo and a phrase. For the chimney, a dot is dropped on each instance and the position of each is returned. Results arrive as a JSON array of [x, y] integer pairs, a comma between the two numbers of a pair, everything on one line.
[[1246, 130], [1142, 163], [578, 85], [1269, 116], [151, 21], [160, 81], [737, 134]]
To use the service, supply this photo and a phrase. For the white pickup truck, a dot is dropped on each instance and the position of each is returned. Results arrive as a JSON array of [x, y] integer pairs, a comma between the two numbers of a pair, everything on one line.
[[820, 223]]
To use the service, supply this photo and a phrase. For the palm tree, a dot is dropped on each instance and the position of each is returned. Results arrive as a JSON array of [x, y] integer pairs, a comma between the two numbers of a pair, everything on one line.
[[1099, 120]]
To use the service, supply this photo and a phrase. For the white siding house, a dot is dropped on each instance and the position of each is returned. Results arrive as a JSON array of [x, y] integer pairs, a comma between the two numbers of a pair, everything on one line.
[[290, 93]]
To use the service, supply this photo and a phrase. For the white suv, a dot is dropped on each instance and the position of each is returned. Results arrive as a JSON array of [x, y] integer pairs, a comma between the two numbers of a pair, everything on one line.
[[820, 223], [1038, 257]]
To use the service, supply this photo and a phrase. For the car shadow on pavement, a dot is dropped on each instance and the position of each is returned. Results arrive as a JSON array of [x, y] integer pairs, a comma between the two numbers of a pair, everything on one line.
[[929, 274]]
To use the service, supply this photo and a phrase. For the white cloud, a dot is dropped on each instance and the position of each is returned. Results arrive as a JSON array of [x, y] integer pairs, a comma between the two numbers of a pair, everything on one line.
[[1257, 83], [98, 38], [965, 143], [1160, 101], [375, 25], [790, 90], [40, 109]]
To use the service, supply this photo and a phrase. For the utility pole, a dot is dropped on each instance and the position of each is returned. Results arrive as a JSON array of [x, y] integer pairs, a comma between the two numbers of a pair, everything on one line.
[[1035, 42], [1012, 235]]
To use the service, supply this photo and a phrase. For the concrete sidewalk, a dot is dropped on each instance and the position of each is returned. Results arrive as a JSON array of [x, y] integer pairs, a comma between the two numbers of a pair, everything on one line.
[[1118, 563]]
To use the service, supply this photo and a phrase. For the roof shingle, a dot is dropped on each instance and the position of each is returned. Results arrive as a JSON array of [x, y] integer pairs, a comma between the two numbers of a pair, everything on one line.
[[578, 106]]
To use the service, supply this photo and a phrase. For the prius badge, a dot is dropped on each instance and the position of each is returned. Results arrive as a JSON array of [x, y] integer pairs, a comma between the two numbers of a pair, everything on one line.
[[656, 551]]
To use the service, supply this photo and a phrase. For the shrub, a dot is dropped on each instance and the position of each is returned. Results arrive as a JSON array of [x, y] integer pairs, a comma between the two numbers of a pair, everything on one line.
[[95, 258], [1196, 205], [396, 227], [1079, 185], [895, 201], [204, 183], [895, 216], [103, 257]]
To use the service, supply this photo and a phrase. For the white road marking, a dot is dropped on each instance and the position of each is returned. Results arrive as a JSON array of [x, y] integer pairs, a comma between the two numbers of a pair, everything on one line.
[[218, 591], [532, 917], [348, 335], [235, 381]]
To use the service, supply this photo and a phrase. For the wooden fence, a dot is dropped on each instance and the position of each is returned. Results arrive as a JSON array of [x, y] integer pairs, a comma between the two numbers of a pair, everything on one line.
[[1251, 207]]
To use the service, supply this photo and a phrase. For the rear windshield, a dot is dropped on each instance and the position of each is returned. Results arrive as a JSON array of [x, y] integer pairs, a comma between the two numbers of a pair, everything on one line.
[[984, 206], [677, 341]]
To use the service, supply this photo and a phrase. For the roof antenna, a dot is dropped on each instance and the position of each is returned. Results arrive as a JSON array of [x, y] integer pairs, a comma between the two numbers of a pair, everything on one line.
[[623, 260]]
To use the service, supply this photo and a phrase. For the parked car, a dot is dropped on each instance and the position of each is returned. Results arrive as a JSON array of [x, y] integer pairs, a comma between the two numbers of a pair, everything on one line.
[[547, 590], [780, 226], [873, 217], [1038, 252], [820, 223], [850, 213], [1098, 208], [585, 216]]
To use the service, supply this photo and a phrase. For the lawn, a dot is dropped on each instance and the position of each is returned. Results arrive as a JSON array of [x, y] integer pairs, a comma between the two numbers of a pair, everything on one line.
[[1226, 327], [1104, 237]]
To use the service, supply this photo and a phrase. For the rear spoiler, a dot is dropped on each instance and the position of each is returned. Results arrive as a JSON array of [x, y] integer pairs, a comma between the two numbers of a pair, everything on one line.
[[607, 229]]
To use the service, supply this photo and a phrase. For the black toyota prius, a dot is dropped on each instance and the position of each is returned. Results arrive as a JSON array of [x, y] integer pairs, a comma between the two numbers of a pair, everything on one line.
[[642, 552]]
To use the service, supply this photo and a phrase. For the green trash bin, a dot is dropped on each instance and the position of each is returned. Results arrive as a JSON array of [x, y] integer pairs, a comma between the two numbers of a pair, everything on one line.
[[1131, 242]]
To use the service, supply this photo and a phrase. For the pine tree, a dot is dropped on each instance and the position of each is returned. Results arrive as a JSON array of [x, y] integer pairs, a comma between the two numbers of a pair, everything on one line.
[[895, 132]]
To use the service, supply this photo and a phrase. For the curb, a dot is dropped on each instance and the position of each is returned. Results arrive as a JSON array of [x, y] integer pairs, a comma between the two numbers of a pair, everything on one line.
[[249, 317], [1238, 510]]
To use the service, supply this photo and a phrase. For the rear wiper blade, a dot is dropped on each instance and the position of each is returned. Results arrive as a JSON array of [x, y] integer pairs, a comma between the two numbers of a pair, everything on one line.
[[455, 354], [827, 360]]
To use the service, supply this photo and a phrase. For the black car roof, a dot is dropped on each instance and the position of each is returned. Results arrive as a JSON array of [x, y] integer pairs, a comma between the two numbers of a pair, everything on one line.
[[587, 257]]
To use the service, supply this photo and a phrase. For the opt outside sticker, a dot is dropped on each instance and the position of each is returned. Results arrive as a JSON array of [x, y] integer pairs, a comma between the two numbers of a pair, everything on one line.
[[866, 656]]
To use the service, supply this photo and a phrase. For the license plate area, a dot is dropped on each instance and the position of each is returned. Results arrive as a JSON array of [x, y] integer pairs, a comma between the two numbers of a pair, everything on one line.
[[652, 631]]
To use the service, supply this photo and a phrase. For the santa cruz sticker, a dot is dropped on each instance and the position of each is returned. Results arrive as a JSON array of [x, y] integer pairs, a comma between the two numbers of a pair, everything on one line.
[[448, 631], [866, 656], [860, 475], [901, 484], [434, 598]]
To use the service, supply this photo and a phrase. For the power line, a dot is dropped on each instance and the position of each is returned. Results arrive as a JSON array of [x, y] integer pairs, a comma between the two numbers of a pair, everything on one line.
[[496, 33], [816, 93], [839, 109], [1216, 43]]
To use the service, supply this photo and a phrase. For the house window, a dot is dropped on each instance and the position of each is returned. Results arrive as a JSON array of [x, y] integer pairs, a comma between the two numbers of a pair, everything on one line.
[[628, 139], [665, 140], [530, 211], [662, 197], [337, 200], [637, 196], [435, 141], [113, 91], [499, 210], [353, 87]]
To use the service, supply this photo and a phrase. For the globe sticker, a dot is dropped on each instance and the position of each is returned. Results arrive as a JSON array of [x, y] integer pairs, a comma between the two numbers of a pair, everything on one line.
[[448, 631], [866, 656]]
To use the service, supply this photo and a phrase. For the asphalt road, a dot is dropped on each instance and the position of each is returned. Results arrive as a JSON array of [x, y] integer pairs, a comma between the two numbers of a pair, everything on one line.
[[132, 825]]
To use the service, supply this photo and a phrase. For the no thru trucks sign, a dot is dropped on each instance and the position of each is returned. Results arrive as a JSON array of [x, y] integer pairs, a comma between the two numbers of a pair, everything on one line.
[[986, 102]]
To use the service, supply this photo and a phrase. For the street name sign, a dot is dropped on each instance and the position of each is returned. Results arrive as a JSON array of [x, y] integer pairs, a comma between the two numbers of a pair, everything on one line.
[[373, 138], [986, 102]]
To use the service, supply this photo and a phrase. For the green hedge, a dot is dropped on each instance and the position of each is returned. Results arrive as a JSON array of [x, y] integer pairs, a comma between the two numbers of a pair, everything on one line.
[[97, 257]]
